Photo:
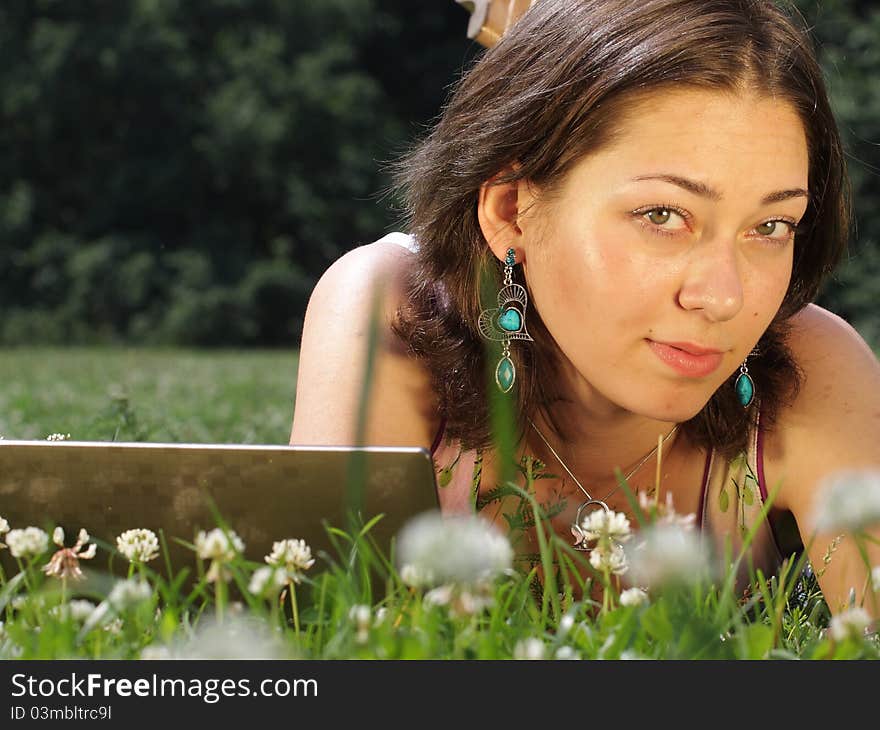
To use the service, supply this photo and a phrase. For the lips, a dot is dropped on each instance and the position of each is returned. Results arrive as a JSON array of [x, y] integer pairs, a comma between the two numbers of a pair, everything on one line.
[[685, 362], [692, 348]]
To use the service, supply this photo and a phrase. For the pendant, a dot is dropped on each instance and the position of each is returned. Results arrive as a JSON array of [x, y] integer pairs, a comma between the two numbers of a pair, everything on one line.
[[580, 540], [505, 374], [745, 389], [511, 320]]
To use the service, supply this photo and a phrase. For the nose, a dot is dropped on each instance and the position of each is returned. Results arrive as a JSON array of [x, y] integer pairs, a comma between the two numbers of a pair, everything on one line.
[[712, 281]]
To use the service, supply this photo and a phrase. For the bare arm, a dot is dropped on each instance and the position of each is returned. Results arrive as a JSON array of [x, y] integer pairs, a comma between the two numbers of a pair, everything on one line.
[[333, 358], [833, 425]]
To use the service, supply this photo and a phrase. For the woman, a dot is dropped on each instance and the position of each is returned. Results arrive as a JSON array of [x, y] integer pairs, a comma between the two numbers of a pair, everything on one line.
[[657, 191]]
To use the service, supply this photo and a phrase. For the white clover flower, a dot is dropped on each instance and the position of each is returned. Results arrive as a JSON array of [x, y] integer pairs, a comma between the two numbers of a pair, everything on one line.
[[138, 545], [360, 615], [530, 649], [852, 622], [58, 437], [602, 525], [77, 610], [381, 615], [236, 637], [4, 528], [80, 609], [875, 578], [665, 554], [27, 542], [129, 593], [218, 545], [664, 513], [64, 563], [416, 577], [125, 594], [464, 549], [294, 556], [265, 578], [220, 548], [848, 501], [462, 599], [440, 596], [633, 597], [609, 558], [565, 624], [566, 652], [155, 652]]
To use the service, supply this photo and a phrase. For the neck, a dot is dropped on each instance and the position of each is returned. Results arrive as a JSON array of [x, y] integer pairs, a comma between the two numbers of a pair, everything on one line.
[[596, 446]]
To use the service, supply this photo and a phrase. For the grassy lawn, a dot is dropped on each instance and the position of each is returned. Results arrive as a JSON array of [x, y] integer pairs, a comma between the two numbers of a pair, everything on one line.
[[452, 591], [133, 394]]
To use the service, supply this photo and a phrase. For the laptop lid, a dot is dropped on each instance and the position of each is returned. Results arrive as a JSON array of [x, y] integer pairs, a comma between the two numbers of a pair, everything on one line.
[[263, 492]]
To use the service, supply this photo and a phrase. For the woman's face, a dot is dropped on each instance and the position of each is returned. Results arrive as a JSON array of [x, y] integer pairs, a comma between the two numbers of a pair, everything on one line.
[[678, 231]]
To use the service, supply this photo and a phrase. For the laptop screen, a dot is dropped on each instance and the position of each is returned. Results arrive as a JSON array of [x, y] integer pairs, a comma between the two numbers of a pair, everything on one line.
[[263, 493]]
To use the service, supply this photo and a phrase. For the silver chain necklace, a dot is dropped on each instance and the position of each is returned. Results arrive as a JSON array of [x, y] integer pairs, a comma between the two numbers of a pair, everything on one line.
[[591, 501]]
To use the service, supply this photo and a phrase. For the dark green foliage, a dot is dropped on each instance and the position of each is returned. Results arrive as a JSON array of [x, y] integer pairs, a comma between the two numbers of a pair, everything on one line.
[[848, 36], [181, 172]]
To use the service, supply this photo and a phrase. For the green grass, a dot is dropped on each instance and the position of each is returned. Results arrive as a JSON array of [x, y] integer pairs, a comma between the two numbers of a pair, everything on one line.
[[248, 397], [178, 396], [330, 612]]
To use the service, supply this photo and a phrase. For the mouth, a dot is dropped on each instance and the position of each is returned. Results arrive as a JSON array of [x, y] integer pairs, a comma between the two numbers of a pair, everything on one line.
[[694, 362], [692, 348]]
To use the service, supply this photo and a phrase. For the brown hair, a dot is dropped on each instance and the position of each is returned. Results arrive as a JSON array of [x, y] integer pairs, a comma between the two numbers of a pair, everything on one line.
[[546, 95]]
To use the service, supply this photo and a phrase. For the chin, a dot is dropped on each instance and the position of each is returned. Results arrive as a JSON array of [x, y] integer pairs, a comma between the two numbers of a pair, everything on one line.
[[672, 412]]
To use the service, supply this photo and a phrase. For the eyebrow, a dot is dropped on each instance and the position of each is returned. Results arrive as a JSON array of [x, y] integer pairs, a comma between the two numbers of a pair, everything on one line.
[[704, 191]]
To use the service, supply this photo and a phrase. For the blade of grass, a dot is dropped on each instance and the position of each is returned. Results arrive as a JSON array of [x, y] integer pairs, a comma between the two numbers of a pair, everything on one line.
[[356, 476]]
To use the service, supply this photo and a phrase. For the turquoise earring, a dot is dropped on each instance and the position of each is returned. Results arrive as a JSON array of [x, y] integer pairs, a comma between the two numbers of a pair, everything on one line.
[[744, 385], [506, 322]]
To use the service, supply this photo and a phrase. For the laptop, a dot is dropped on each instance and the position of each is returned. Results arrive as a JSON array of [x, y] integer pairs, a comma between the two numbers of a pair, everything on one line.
[[263, 492]]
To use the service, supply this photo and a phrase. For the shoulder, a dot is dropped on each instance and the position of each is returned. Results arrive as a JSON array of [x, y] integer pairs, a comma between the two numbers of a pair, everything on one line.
[[834, 421], [832, 426], [842, 373], [364, 287], [377, 268], [349, 355], [814, 327]]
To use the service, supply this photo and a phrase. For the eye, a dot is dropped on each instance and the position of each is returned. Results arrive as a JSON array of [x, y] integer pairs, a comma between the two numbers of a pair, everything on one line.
[[661, 219], [773, 231]]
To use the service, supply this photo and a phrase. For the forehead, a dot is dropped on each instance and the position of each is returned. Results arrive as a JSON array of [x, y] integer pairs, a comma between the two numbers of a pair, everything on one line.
[[732, 140]]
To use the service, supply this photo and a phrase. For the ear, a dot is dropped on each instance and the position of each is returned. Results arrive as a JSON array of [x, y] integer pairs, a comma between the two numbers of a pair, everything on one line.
[[499, 208]]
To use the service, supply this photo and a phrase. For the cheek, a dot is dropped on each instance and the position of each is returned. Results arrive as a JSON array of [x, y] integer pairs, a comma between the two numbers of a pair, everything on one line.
[[594, 280], [768, 289], [574, 275], [597, 255], [619, 277]]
